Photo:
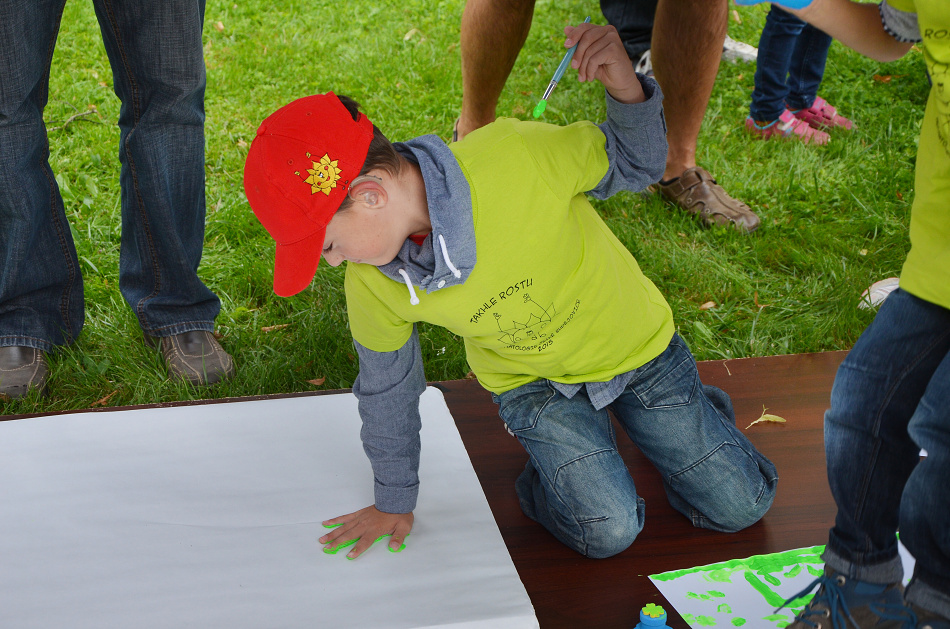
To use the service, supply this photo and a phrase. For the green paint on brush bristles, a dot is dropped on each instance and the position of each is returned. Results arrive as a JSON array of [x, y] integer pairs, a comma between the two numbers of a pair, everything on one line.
[[539, 108]]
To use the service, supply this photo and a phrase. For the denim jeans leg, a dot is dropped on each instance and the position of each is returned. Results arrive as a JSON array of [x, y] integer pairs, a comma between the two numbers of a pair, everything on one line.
[[634, 23], [925, 504], [159, 76], [870, 447], [807, 67], [575, 482], [711, 471], [41, 297], [776, 44]]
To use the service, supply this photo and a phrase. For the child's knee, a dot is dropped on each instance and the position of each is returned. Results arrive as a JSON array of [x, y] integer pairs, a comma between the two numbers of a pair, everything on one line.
[[614, 533], [740, 509]]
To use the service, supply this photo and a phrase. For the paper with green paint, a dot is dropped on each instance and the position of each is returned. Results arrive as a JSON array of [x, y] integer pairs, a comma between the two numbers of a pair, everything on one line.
[[746, 592]]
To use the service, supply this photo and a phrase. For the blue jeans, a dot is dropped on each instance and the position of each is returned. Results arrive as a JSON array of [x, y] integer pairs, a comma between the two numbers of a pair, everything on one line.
[[789, 67], [891, 397], [578, 487], [159, 76], [633, 20]]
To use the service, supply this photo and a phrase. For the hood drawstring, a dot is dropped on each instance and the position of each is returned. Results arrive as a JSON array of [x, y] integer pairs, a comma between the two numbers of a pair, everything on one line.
[[412, 292], [445, 256]]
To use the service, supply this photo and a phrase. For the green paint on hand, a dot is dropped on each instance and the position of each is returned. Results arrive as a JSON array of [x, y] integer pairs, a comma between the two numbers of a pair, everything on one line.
[[539, 108], [724, 609], [738, 622], [332, 526], [336, 549]]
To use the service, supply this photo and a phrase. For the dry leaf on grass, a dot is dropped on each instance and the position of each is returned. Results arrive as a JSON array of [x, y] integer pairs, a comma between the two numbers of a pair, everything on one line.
[[102, 401], [317, 381], [775, 419], [708, 305], [271, 328]]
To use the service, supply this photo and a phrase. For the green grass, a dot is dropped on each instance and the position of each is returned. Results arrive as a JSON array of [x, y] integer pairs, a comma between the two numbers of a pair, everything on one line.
[[834, 218]]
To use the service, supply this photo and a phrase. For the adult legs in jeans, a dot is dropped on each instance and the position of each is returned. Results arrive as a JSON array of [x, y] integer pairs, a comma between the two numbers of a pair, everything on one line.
[[711, 471], [790, 65], [41, 296], [890, 398], [159, 76]]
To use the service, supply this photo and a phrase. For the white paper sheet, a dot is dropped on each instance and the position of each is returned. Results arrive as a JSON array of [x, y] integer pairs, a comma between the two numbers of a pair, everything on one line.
[[746, 592], [207, 516]]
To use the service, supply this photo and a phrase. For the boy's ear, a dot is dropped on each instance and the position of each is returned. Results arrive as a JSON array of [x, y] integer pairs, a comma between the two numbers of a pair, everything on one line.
[[369, 191]]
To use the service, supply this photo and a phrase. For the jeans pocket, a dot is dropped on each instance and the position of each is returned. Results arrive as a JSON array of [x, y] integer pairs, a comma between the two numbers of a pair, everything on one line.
[[669, 380], [522, 407]]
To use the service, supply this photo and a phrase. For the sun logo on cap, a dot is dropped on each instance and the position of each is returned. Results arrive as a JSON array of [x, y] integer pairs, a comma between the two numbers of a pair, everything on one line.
[[323, 175]]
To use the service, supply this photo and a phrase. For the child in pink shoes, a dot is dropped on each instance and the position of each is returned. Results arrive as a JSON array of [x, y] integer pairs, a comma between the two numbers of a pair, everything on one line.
[[789, 69]]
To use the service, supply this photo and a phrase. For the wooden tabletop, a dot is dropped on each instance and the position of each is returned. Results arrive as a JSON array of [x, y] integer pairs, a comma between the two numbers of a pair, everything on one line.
[[571, 591]]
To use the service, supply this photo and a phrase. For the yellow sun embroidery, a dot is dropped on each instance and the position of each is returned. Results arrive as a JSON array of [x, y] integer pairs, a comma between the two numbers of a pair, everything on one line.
[[323, 175]]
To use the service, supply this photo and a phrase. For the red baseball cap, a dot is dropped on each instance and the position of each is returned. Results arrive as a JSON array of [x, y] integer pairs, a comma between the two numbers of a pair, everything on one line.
[[298, 172]]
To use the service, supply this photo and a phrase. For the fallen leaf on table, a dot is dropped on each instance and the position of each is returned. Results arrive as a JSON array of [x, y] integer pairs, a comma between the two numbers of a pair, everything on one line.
[[767, 418]]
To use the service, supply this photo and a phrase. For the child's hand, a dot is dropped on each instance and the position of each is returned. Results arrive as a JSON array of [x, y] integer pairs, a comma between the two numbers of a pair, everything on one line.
[[600, 55], [367, 525]]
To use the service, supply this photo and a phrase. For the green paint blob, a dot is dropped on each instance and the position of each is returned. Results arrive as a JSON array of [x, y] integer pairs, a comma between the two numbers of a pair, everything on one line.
[[794, 572], [724, 609], [775, 562], [738, 622], [816, 572], [778, 619], [716, 594], [772, 579], [705, 621]]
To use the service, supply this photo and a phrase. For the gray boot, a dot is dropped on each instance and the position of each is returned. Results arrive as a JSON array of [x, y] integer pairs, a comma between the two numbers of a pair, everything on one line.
[[22, 369]]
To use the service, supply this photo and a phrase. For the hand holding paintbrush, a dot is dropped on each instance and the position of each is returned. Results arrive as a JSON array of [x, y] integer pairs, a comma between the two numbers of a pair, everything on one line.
[[597, 53]]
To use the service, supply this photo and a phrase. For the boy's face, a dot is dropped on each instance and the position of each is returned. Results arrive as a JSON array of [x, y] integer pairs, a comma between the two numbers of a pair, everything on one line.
[[364, 234]]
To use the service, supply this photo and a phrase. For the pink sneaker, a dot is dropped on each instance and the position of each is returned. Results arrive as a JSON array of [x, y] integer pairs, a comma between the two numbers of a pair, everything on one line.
[[821, 115], [788, 126]]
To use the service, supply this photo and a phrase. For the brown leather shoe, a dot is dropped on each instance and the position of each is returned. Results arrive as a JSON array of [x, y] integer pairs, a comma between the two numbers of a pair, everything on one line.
[[21, 369], [195, 356], [698, 193]]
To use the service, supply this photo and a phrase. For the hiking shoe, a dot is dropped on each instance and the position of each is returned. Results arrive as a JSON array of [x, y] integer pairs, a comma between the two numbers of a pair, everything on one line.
[[787, 126], [698, 193], [821, 115], [843, 603], [21, 369], [927, 619], [194, 356]]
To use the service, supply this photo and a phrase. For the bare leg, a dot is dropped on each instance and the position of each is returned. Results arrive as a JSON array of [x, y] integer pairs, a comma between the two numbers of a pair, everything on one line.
[[493, 32], [686, 48]]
